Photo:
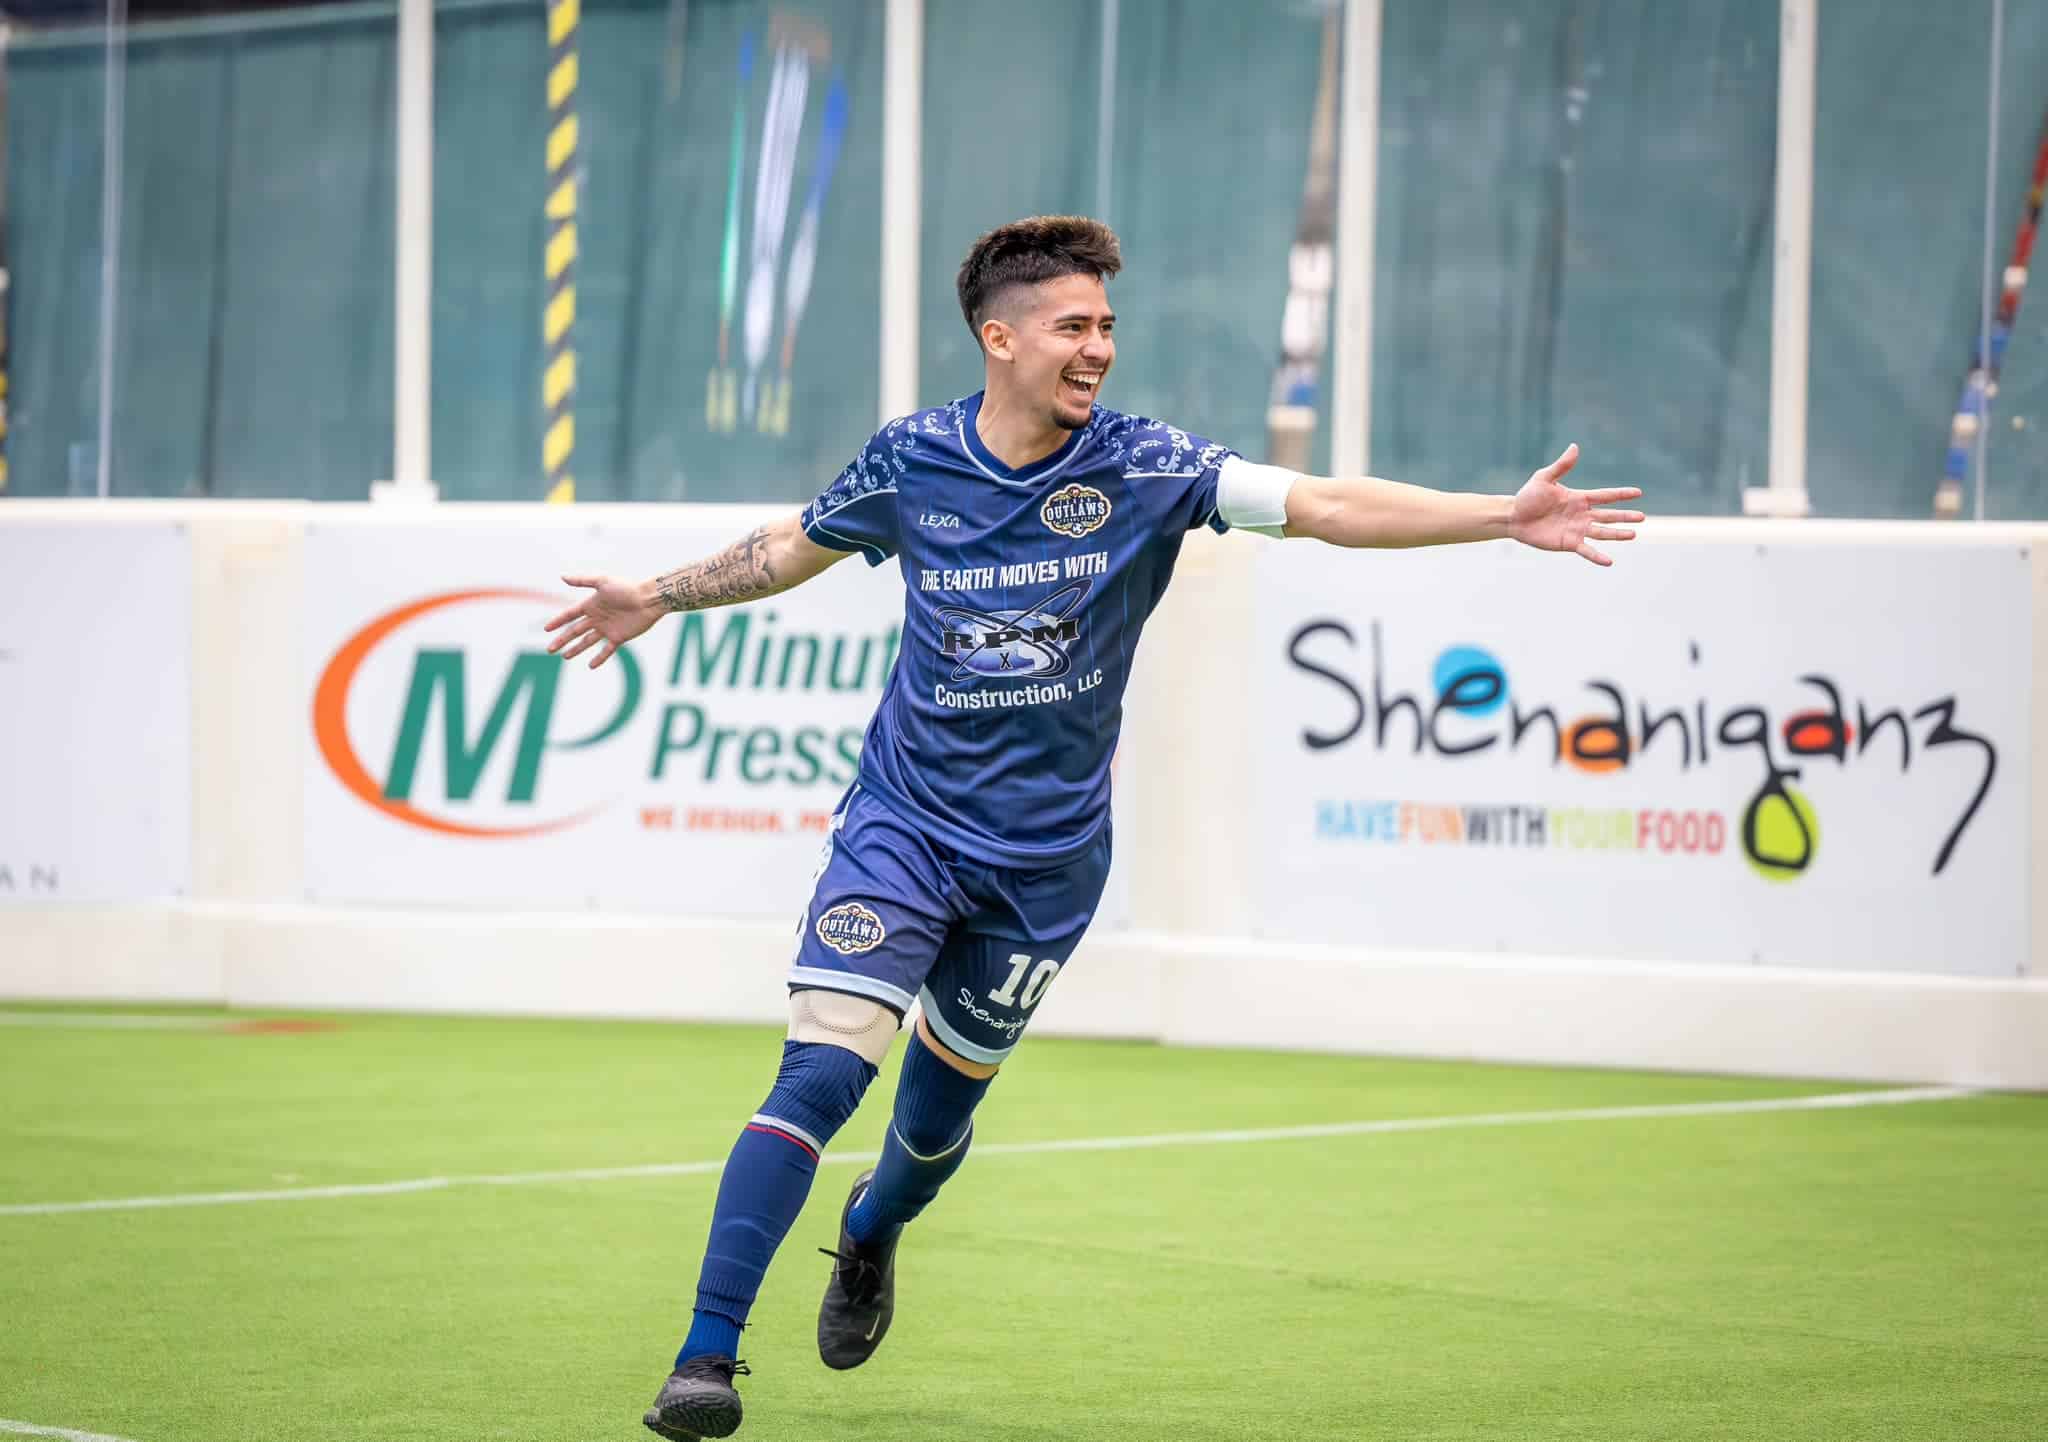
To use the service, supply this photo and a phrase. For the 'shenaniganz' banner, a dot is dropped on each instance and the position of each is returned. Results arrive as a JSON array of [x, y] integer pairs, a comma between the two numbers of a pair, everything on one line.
[[1790, 755]]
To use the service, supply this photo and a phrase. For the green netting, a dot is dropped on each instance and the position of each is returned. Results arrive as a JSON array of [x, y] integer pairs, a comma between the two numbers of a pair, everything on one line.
[[253, 337], [1210, 136], [1574, 222], [256, 278], [657, 111], [54, 107], [1898, 246], [1573, 239]]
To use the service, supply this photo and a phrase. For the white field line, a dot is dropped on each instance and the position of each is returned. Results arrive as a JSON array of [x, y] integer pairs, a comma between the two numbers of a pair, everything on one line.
[[109, 1021], [1830, 1101], [66, 1434]]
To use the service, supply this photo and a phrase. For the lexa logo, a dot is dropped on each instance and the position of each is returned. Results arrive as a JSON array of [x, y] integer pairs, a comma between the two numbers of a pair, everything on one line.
[[939, 521], [1031, 642]]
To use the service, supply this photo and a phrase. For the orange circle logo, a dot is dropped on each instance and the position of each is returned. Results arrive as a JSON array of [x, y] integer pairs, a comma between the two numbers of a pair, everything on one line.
[[330, 719]]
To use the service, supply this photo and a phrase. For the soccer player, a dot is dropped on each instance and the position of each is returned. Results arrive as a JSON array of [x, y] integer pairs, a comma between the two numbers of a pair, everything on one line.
[[1035, 530]]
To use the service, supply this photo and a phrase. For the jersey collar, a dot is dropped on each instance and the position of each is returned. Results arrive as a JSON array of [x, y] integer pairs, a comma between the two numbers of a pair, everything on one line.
[[995, 470]]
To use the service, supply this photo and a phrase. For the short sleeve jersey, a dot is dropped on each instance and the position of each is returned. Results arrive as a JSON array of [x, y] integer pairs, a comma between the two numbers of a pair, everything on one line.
[[1025, 593]]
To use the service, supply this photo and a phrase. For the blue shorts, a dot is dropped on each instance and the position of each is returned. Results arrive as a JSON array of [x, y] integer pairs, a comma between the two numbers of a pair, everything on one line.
[[895, 916]]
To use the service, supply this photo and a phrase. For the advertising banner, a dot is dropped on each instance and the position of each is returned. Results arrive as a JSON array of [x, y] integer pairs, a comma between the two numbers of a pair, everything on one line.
[[1795, 755], [452, 761], [95, 712]]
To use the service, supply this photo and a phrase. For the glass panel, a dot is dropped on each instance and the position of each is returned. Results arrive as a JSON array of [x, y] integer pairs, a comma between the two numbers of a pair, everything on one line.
[[2016, 443], [1574, 244], [1574, 239], [1211, 104], [2016, 451], [301, 314], [252, 308], [727, 244], [725, 294], [53, 102], [1898, 203]]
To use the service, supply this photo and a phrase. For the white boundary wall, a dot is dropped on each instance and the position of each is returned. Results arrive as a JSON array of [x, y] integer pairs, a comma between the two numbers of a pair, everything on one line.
[[1190, 969]]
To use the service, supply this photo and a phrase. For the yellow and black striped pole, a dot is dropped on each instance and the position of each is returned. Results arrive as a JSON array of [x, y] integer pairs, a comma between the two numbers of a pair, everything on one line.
[[558, 321]]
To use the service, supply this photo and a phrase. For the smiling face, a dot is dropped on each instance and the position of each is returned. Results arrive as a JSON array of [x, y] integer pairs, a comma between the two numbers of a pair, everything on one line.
[[1050, 346]]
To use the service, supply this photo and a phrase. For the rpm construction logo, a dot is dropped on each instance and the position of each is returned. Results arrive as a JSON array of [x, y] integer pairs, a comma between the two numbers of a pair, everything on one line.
[[1470, 709], [437, 716]]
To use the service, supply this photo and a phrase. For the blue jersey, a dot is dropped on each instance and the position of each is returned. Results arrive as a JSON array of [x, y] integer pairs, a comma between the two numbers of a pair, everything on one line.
[[1025, 592]]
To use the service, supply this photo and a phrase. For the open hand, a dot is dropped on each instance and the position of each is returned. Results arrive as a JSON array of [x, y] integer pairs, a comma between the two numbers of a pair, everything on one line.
[[612, 614], [1551, 516]]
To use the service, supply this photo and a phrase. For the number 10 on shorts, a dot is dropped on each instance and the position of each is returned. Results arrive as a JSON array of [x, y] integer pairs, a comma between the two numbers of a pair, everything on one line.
[[1041, 978]]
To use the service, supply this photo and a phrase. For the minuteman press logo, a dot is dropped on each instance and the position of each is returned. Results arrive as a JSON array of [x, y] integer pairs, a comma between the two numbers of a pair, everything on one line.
[[445, 714], [464, 748]]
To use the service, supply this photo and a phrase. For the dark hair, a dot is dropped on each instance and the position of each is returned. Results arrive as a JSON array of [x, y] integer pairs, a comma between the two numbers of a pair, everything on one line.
[[1027, 252]]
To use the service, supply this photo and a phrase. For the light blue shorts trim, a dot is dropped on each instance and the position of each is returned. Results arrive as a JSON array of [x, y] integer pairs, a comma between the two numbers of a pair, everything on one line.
[[850, 981], [945, 1031]]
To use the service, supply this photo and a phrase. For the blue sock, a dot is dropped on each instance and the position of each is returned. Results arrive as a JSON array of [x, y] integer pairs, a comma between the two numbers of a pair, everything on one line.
[[926, 1143], [765, 1182]]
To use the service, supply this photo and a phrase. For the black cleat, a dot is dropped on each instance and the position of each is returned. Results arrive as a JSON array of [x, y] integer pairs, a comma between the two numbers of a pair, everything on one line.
[[860, 1300], [697, 1401]]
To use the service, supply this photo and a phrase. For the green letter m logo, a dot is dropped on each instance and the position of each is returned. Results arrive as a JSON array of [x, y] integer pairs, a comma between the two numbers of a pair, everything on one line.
[[442, 671]]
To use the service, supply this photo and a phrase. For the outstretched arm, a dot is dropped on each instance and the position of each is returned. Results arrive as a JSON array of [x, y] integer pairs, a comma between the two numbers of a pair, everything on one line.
[[1545, 513], [765, 562]]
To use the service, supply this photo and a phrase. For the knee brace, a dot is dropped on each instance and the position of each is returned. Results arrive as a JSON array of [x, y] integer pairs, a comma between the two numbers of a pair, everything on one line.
[[834, 1018]]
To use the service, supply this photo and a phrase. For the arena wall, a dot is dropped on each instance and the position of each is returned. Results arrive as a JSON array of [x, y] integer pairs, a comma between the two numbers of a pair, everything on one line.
[[217, 854]]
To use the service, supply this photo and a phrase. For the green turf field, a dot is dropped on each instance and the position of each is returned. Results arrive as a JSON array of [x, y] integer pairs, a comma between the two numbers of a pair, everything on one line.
[[1865, 1273]]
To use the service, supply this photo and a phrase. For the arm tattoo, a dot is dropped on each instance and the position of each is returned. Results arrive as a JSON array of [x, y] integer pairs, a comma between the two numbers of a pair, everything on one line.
[[740, 572]]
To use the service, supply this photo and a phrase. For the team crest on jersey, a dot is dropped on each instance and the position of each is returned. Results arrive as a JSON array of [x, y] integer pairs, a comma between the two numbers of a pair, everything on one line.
[[850, 928], [1074, 511]]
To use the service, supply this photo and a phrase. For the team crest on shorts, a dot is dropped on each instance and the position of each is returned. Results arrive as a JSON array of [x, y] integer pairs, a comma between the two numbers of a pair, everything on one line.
[[850, 928], [1074, 511]]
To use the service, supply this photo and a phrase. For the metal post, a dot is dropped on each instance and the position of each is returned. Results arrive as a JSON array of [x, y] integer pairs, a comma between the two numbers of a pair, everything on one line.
[[4, 307], [1792, 270], [902, 202], [412, 360], [1105, 108], [1358, 141], [1985, 358], [113, 137]]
